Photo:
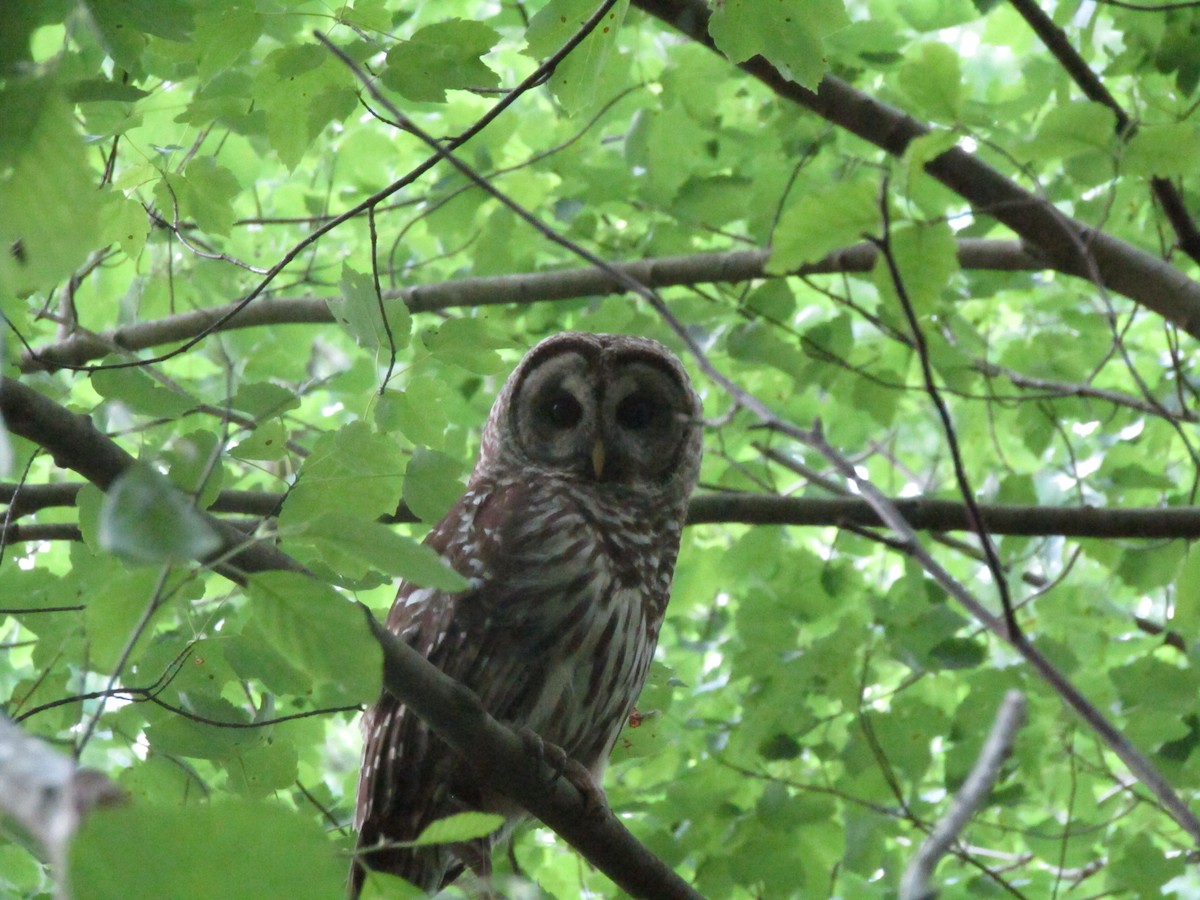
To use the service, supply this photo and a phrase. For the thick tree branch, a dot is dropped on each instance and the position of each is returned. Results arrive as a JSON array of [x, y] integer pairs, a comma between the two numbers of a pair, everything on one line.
[[921, 513], [453, 712], [75, 443], [1067, 244], [503, 762], [46, 794], [560, 284]]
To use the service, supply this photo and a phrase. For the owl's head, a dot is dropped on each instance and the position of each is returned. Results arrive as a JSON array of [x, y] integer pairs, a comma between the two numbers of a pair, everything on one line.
[[606, 408]]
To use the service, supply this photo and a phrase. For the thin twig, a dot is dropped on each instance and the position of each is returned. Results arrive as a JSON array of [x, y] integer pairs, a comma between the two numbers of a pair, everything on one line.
[[991, 557]]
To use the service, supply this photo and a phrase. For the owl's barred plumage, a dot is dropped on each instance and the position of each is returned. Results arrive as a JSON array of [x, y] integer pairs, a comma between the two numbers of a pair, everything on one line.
[[568, 534]]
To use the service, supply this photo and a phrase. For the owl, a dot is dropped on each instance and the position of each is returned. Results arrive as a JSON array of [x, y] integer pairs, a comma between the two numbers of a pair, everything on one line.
[[568, 534]]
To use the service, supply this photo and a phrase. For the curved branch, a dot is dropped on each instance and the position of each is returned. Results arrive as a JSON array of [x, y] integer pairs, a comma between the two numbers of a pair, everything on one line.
[[451, 710], [501, 759], [560, 284], [75, 443], [1066, 243]]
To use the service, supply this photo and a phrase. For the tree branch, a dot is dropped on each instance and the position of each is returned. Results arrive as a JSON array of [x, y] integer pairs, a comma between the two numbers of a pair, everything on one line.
[[451, 710], [969, 799], [560, 284], [714, 508], [502, 761], [47, 795], [1067, 244], [1093, 88], [75, 443]]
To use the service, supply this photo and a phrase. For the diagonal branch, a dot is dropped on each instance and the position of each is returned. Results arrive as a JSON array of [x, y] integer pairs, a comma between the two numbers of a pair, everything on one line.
[[1068, 244], [74, 443], [44, 792], [499, 756], [969, 799], [1093, 88]]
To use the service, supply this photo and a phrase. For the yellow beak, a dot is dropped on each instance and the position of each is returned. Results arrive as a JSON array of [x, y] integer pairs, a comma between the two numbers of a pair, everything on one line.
[[598, 458]]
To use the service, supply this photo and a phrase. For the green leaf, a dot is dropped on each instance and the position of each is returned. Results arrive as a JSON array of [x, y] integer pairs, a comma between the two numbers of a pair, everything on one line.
[[320, 633], [432, 483], [788, 34], [1186, 618], [180, 735], [352, 470], [170, 19], [418, 411], [353, 546], [139, 392], [466, 342], [261, 399], [194, 461], [1165, 151], [931, 78], [358, 310], [464, 826], [268, 441], [958, 653], [577, 79], [1072, 129], [203, 852], [441, 57], [145, 519], [51, 207], [300, 90], [1141, 867], [822, 221], [260, 771], [221, 40], [927, 258], [203, 194], [125, 223]]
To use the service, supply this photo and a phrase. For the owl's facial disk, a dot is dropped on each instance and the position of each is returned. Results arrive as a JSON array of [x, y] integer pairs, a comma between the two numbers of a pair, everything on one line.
[[612, 418]]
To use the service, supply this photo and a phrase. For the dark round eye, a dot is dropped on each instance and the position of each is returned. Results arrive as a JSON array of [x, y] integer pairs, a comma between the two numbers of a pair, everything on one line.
[[562, 410], [636, 412]]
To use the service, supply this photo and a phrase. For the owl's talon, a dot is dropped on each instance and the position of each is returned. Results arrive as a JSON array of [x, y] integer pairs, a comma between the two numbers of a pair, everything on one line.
[[595, 802], [576, 774]]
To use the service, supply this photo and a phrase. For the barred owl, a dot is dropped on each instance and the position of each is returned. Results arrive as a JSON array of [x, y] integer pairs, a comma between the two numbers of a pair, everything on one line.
[[568, 534]]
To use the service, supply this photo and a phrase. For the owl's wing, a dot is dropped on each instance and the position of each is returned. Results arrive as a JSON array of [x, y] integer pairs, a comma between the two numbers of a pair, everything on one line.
[[409, 776]]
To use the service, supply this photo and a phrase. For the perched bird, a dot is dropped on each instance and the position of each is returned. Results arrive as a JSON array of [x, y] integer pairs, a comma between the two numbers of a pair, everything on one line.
[[568, 534]]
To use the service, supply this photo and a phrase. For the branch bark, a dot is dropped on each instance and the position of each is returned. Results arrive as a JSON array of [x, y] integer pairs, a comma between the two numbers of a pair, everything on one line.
[[560, 284], [921, 513], [45, 793], [501, 760], [450, 709], [1066, 243], [75, 443], [969, 799]]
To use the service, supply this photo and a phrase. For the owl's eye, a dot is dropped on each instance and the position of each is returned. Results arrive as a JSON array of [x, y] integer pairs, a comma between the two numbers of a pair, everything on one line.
[[636, 412], [562, 410]]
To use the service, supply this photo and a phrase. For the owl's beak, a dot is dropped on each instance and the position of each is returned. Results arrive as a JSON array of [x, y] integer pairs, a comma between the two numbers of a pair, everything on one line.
[[598, 458]]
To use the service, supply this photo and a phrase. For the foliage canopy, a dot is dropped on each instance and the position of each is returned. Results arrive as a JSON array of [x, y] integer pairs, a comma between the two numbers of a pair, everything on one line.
[[252, 275]]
